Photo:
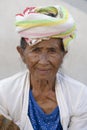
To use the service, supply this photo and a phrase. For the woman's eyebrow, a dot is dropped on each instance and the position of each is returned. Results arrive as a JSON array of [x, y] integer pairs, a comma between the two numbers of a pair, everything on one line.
[[34, 47]]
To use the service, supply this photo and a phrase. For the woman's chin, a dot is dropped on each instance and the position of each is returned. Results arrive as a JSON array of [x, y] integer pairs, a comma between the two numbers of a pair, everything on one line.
[[43, 76]]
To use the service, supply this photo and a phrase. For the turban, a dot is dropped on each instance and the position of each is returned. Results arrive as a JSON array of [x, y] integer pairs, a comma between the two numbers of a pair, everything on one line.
[[42, 23]]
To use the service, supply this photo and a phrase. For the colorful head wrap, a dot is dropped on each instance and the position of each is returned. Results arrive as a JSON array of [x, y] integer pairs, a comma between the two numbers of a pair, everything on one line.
[[42, 23]]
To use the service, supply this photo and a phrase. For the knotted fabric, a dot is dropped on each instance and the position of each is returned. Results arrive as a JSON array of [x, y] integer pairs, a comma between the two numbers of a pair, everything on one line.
[[42, 23]]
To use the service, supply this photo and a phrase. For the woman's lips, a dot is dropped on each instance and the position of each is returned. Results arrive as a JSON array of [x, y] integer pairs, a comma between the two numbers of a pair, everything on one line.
[[43, 71]]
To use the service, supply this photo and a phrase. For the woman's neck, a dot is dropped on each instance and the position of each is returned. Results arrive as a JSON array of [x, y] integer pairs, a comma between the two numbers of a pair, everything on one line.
[[42, 85], [44, 94]]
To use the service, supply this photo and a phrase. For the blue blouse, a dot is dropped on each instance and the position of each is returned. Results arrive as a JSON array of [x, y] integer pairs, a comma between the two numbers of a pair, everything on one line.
[[41, 120]]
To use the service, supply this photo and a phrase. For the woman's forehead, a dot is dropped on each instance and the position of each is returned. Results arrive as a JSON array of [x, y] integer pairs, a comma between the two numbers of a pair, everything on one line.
[[53, 42]]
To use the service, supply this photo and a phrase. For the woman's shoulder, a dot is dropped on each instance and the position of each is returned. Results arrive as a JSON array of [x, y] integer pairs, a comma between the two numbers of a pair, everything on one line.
[[71, 88], [11, 94], [7, 83], [13, 77], [70, 82], [74, 91]]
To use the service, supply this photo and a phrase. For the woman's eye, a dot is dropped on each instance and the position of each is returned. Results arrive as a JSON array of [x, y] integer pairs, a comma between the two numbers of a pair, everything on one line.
[[52, 50], [36, 50]]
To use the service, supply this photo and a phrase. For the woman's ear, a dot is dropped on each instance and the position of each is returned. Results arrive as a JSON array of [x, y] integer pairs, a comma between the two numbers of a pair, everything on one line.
[[65, 53], [21, 52], [19, 49]]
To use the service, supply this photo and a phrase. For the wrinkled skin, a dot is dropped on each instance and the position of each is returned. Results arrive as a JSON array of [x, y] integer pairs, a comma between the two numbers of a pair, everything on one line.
[[6, 124], [43, 61]]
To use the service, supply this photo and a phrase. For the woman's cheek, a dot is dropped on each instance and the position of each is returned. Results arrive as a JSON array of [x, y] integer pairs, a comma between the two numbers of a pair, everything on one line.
[[31, 61], [58, 61]]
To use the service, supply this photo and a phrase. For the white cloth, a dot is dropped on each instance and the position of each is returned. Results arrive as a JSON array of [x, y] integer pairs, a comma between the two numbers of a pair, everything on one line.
[[71, 97], [37, 23]]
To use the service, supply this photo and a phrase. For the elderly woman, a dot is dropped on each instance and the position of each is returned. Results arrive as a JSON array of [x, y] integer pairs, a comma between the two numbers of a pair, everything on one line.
[[41, 98]]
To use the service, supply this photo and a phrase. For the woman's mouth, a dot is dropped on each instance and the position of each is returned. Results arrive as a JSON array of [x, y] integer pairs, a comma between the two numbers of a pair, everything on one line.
[[43, 71]]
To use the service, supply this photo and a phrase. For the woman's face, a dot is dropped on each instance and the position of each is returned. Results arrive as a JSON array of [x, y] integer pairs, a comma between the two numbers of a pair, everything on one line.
[[43, 59]]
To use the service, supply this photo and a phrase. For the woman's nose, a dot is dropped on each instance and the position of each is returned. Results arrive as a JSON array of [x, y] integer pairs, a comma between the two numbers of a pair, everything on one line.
[[43, 58]]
